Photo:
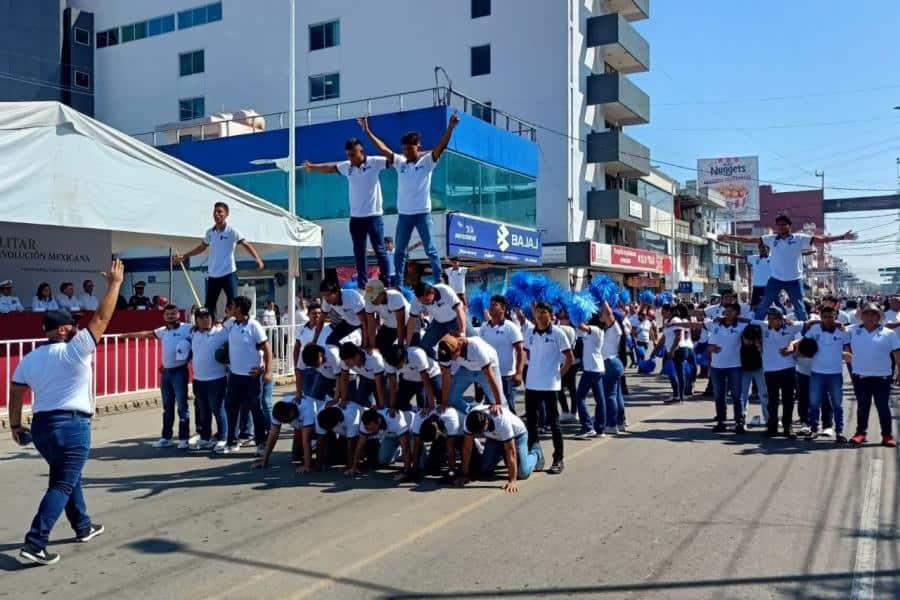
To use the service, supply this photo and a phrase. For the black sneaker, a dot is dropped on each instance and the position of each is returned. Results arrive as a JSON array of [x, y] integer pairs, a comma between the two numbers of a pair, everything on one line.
[[556, 468], [840, 438], [720, 427], [38, 556], [95, 530], [740, 429]]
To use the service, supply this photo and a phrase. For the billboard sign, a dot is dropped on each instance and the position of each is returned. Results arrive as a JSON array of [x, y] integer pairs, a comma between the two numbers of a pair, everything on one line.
[[470, 237], [736, 178]]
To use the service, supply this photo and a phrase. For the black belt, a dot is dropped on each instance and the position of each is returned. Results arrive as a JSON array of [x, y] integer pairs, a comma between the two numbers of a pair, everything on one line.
[[63, 413]]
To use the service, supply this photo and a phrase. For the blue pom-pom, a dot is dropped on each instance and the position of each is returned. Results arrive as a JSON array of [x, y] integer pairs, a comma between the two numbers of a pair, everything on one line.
[[647, 366], [646, 297], [581, 307], [624, 296], [554, 295], [521, 281], [516, 298], [664, 298], [478, 305]]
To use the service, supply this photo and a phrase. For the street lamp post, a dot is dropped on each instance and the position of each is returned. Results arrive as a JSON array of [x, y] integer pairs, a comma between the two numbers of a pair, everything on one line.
[[293, 253]]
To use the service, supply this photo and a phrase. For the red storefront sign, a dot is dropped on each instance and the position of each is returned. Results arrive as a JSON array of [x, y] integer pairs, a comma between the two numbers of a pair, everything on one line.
[[640, 260]]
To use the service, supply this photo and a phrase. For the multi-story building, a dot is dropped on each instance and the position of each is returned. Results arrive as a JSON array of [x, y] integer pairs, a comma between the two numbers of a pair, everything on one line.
[[46, 53]]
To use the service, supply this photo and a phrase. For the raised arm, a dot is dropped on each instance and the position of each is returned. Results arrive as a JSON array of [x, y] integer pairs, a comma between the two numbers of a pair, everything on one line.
[[741, 239], [732, 255], [106, 308], [827, 239], [379, 143], [445, 139], [319, 167]]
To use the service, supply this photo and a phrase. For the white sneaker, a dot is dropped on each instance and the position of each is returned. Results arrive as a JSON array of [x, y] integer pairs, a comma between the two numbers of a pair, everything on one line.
[[220, 448], [205, 444], [756, 421], [828, 432], [585, 435], [163, 443], [613, 430], [194, 440], [233, 448], [183, 445], [803, 430]]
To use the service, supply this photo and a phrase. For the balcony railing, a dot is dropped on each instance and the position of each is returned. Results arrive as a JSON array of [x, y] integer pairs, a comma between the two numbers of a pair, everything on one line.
[[623, 102], [623, 48]]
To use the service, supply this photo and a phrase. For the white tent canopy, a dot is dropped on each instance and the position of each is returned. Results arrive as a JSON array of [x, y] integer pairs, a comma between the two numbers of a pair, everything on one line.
[[59, 167]]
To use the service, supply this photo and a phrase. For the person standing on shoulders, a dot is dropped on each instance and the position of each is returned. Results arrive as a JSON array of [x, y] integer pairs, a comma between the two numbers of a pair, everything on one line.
[[176, 346], [366, 220], [88, 300], [222, 239], [414, 168], [59, 375], [8, 302]]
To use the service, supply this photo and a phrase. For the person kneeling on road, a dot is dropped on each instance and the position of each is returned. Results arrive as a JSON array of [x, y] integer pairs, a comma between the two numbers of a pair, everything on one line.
[[336, 421], [441, 428], [391, 429]]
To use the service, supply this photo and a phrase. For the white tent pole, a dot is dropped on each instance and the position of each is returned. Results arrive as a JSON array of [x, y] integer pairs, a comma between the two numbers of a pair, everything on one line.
[[293, 256]]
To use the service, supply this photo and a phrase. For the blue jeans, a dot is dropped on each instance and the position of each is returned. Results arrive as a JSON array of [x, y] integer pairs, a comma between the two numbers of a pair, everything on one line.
[[591, 381], [389, 450], [214, 288], [461, 381], [868, 389], [373, 229], [526, 458], [724, 381], [612, 391], [773, 290], [684, 382], [509, 390], [64, 440], [831, 384], [424, 224], [433, 334], [246, 392], [755, 376], [173, 389], [209, 402]]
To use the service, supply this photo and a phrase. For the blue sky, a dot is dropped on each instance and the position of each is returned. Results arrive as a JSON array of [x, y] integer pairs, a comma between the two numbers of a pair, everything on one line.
[[804, 84]]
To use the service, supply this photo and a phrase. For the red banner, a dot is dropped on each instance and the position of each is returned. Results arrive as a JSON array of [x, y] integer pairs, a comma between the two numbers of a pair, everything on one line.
[[346, 274], [642, 260]]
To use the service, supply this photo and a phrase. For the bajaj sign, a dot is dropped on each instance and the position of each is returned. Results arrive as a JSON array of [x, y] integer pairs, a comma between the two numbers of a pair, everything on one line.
[[483, 239], [737, 179]]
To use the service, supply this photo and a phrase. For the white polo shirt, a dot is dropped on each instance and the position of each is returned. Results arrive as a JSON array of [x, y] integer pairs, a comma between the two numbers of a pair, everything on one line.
[[305, 335], [348, 310], [89, 302], [503, 339], [545, 356], [59, 374], [10, 304], [478, 355], [395, 426], [451, 419], [592, 343], [612, 338], [365, 188], [387, 312], [414, 184], [443, 308], [456, 278], [70, 304], [728, 338], [221, 250], [42, 304], [243, 341], [170, 339], [773, 341], [203, 348], [829, 360], [642, 331], [872, 350], [373, 365], [349, 427], [506, 426], [416, 362], [332, 365], [760, 269], [786, 255]]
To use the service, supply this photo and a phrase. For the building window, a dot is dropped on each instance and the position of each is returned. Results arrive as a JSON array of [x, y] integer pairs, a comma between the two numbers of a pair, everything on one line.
[[109, 37], [324, 35], [161, 25], [483, 111], [140, 30], [481, 8], [200, 15], [191, 63], [481, 60], [191, 108], [82, 36], [82, 80], [324, 87], [127, 33]]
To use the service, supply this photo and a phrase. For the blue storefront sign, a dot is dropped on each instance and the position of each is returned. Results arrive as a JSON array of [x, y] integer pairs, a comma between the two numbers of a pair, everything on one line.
[[478, 238], [685, 287]]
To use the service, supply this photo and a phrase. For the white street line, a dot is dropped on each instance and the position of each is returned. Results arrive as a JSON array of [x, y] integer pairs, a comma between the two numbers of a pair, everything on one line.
[[863, 586]]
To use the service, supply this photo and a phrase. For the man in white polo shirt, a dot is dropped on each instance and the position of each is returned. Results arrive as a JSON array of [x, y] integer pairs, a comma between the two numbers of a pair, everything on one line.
[[350, 309], [466, 361], [391, 309], [222, 239], [505, 336], [369, 370], [872, 346], [366, 221], [725, 365], [549, 357], [59, 375], [785, 262], [414, 168], [88, 300], [447, 312], [176, 345]]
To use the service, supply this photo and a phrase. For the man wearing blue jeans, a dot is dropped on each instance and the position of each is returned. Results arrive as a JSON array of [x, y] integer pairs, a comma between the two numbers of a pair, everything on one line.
[[725, 364], [222, 239], [465, 361], [414, 168], [59, 375], [786, 251], [175, 338], [366, 209], [447, 312]]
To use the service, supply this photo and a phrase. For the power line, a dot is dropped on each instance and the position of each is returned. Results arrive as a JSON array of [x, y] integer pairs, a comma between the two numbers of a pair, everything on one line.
[[778, 98], [783, 126], [46, 84]]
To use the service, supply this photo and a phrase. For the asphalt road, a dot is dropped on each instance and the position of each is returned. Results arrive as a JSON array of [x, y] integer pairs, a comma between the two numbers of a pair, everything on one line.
[[668, 510]]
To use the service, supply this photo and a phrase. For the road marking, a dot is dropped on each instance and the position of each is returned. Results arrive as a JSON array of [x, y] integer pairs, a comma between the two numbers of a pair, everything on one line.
[[434, 526], [863, 586]]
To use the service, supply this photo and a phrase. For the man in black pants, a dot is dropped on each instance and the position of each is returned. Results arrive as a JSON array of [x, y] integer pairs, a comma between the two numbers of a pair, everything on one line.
[[778, 367], [549, 358]]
